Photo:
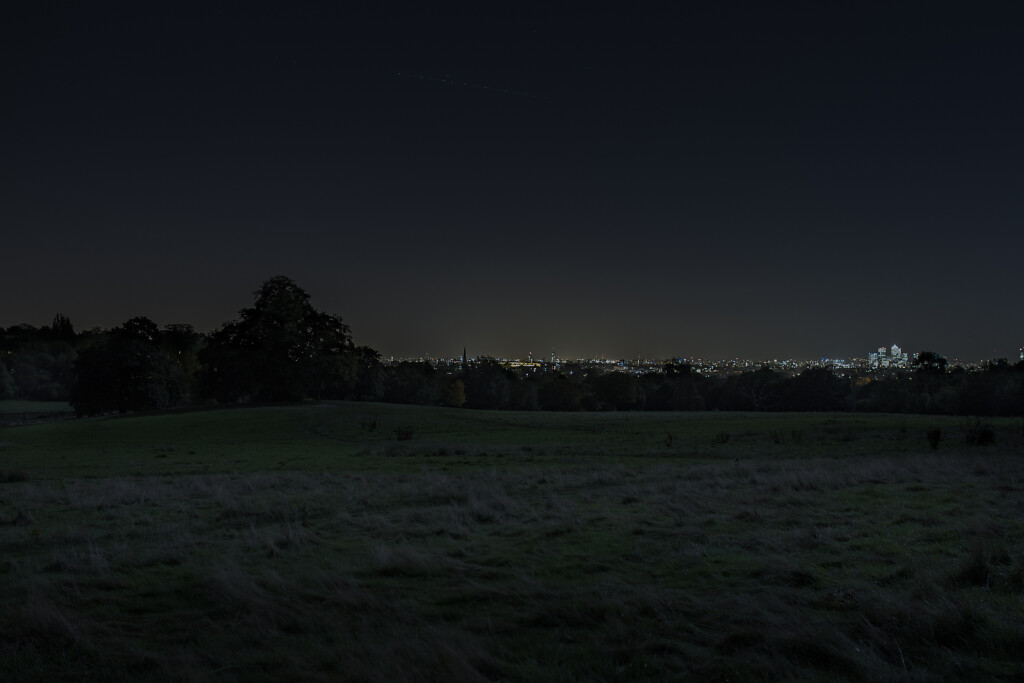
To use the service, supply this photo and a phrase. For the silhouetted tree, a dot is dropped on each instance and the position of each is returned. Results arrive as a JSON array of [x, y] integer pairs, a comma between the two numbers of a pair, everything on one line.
[[618, 391], [38, 363], [127, 370], [558, 392], [818, 389], [488, 385], [761, 389], [280, 349], [673, 370], [657, 391], [7, 387], [455, 394], [62, 329], [409, 382], [686, 393], [523, 394], [929, 361], [369, 374], [182, 344]]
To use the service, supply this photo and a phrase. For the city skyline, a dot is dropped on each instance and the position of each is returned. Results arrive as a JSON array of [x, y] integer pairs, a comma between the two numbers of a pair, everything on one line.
[[1005, 351], [742, 181]]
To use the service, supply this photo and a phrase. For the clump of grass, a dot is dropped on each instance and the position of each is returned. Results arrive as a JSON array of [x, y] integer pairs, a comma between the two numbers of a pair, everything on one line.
[[797, 435], [722, 437], [368, 424], [19, 519], [42, 618], [403, 433], [404, 560], [978, 432], [848, 436], [988, 565], [776, 437], [975, 569], [12, 476], [934, 437], [1015, 577], [274, 541]]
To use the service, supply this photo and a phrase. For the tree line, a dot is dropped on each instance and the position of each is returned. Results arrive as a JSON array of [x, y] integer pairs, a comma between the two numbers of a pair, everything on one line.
[[283, 349]]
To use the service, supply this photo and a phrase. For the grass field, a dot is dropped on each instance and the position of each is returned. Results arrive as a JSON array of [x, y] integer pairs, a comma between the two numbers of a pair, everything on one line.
[[377, 542], [23, 412], [34, 407]]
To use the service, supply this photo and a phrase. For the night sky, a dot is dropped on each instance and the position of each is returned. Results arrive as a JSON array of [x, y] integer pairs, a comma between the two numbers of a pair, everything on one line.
[[730, 180]]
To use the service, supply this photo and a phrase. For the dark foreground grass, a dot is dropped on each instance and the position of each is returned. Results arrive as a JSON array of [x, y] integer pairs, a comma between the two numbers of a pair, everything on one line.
[[315, 542]]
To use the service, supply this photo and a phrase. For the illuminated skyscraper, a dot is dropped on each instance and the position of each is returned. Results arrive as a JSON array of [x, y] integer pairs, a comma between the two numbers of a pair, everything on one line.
[[893, 357]]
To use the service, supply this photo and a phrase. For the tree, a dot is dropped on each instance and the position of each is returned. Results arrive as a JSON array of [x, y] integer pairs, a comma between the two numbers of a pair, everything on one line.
[[618, 391], [182, 344], [488, 385], [369, 374], [817, 389], [558, 392], [686, 395], [759, 389], [929, 361], [139, 328], [39, 362], [62, 328], [455, 396], [281, 349], [410, 382], [126, 370], [7, 387]]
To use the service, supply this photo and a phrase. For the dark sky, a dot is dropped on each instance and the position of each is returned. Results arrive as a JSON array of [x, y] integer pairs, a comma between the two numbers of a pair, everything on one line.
[[731, 180]]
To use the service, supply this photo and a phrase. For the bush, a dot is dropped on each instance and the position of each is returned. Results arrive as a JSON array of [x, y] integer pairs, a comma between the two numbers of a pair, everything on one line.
[[978, 432], [934, 436]]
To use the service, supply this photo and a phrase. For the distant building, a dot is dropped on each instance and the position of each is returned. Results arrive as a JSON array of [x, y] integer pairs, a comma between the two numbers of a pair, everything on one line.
[[893, 357]]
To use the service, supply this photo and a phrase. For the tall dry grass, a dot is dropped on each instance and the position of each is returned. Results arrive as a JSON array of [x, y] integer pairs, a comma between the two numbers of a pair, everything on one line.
[[864, 568]]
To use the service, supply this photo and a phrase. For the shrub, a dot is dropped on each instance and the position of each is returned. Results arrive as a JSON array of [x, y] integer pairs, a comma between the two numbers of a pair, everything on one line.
[[978, 432], [934, 436]]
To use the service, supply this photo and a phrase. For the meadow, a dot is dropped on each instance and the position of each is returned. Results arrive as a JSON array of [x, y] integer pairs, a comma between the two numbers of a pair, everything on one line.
[[366, 542], [18, 412]]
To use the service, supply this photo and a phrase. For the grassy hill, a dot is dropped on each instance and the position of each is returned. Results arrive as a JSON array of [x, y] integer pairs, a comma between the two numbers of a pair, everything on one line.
[[377, 542]]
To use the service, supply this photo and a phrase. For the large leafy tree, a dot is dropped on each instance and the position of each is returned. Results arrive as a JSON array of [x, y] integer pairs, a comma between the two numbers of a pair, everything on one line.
[[127, 369], [280, 349]]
